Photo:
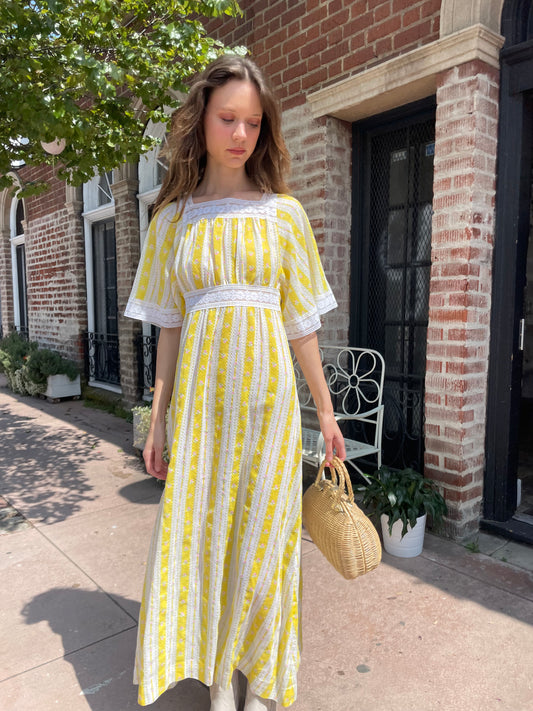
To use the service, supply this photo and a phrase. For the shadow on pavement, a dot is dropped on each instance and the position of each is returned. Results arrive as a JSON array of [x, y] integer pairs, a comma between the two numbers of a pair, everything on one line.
[[136, 492], [43, 465], [104, 667], [450, 567]]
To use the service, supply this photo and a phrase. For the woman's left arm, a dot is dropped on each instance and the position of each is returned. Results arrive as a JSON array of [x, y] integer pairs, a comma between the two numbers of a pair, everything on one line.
[[308, 356]]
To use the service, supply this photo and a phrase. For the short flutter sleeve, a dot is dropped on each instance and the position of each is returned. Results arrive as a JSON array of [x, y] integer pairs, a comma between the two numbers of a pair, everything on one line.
[[155, 297], [305, 292]]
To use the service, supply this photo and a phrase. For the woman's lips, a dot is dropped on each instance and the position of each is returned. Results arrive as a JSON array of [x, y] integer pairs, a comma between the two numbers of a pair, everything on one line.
[[237, 151]]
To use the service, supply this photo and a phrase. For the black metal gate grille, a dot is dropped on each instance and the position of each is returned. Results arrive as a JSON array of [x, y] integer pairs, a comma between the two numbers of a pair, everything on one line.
[[397, 245]]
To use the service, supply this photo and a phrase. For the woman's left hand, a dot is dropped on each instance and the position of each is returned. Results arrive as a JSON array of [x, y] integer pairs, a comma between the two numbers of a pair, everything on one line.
[[333, 438]]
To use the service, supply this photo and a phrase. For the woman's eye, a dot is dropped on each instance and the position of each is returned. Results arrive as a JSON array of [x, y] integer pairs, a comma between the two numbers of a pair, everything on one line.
[[227, 120], [254, 125]]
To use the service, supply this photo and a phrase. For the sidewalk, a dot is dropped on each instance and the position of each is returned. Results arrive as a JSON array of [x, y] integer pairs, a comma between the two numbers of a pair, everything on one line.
[[449, 630]]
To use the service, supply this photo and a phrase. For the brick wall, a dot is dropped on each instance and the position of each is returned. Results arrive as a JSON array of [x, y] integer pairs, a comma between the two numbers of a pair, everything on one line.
[[321, 180], [128, 253], [458, 333], [304, 45], [55, 267]]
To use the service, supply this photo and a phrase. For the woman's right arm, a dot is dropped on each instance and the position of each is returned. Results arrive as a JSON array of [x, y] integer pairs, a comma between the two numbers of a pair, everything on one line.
[[167, 357]]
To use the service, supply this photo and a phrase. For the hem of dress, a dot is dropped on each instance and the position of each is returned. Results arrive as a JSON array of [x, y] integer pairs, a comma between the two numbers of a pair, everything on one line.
[[174, 683], [140, 311]]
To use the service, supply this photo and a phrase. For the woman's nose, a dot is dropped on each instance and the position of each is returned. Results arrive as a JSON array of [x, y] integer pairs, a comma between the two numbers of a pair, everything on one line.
[[240, 130]]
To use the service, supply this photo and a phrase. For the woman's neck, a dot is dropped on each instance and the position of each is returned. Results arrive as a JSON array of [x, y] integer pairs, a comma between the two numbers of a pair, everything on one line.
[[217, 184]]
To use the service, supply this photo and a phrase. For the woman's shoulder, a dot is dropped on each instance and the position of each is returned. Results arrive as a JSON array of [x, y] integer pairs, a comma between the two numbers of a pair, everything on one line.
[[289, 210], [288, 202], [168, 213]]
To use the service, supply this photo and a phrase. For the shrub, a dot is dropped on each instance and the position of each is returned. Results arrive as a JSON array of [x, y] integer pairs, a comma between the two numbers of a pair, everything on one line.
[[13, 352], [27, 366], [44, 362]]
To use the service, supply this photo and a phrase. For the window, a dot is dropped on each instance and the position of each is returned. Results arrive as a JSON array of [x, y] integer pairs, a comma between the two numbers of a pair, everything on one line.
[[102, 354], [18, 262]]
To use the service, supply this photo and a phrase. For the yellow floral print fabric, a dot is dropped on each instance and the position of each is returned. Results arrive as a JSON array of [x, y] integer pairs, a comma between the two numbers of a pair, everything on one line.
[[222, 588]]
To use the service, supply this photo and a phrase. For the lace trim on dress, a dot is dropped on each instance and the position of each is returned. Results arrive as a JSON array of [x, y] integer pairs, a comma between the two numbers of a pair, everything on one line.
[[298, 328], [164, 318], [325, 302], [232, 295], [236, 207]]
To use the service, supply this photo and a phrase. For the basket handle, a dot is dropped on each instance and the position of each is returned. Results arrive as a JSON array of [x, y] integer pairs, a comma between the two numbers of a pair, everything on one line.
[[339, 476]]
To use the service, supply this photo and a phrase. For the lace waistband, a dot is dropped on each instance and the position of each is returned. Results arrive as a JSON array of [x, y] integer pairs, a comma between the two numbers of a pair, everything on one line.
[[232, 295]]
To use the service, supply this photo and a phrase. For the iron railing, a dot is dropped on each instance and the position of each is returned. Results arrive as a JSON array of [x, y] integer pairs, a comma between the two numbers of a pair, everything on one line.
[[102, 358], [146, 347]]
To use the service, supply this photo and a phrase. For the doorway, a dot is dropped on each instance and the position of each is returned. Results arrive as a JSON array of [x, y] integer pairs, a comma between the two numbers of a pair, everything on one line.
[[524, 504], [391, 248], [104, 356], [509, 454]]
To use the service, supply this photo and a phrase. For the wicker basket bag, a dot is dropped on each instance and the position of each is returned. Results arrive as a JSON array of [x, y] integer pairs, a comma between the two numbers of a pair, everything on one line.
[[338, 527]]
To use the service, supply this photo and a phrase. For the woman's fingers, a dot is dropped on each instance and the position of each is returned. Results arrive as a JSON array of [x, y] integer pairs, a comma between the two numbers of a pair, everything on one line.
[[340, 448], [155, 465]]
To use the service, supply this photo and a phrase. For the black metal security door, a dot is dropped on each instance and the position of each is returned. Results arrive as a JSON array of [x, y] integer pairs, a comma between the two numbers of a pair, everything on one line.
[[392, 249], [20, 251], [104, 362], [510, 274]]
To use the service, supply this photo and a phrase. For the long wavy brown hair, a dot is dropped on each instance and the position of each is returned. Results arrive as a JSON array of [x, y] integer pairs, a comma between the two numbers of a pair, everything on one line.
[[267, 166]]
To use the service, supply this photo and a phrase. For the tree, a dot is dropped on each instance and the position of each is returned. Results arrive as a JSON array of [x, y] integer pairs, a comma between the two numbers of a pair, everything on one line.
[[93, 72]]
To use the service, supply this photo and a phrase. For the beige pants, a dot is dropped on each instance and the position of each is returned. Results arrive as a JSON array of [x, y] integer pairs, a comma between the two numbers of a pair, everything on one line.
[[229, 699]]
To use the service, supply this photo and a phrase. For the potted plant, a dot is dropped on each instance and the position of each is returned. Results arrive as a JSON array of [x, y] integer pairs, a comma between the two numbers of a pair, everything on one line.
[[402, 500], [31, 370], [52, 375], [141, 426]]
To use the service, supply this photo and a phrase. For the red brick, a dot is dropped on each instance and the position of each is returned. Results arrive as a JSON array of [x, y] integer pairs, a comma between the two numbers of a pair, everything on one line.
[[382, 11], [358, 24], [411, 17], [388, 27], [357, 59]]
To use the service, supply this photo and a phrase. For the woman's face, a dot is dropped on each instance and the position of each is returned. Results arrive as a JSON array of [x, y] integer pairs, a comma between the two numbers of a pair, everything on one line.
[[232, 123]]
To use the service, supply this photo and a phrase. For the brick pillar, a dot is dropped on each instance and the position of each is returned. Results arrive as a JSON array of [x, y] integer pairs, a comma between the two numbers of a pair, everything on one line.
[[125, 190], [77, 267], [460, 288], [6, 280], [321, 179]]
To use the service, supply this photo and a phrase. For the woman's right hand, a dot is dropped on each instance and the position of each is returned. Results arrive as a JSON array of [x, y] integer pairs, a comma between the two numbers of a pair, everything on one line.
[[153, 452]]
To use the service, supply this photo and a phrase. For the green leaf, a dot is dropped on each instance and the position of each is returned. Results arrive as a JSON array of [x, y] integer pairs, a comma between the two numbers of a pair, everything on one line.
[[66, 64]]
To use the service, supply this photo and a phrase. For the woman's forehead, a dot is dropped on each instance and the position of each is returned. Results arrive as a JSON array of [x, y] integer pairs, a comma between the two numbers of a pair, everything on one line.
[[236, 94]]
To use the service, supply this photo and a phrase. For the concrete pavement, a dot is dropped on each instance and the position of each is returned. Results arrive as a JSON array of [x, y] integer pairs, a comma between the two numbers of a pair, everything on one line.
[[449, 630]]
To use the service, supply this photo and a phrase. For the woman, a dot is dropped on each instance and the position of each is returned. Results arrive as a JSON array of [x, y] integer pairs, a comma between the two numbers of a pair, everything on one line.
[[230, 272]]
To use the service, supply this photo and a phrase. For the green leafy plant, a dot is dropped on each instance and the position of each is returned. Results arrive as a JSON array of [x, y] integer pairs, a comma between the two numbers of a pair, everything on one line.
[[45, 362], [403, 496], [141, 426], [13, 352], [92, 74], [27, 366]]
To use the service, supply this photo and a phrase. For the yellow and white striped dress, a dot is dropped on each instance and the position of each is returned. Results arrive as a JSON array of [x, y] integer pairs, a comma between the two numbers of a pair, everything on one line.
[[222, 587]]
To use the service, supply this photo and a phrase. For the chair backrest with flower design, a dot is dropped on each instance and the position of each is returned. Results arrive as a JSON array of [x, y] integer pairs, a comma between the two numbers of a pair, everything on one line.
[[355, 378]]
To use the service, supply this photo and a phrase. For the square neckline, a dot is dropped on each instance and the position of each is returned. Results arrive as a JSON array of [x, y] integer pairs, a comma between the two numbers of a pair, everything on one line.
[[263, 197]]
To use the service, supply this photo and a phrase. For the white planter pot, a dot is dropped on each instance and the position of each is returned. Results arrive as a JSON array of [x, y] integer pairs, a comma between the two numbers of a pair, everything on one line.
[[411, 544], [59, 386]]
